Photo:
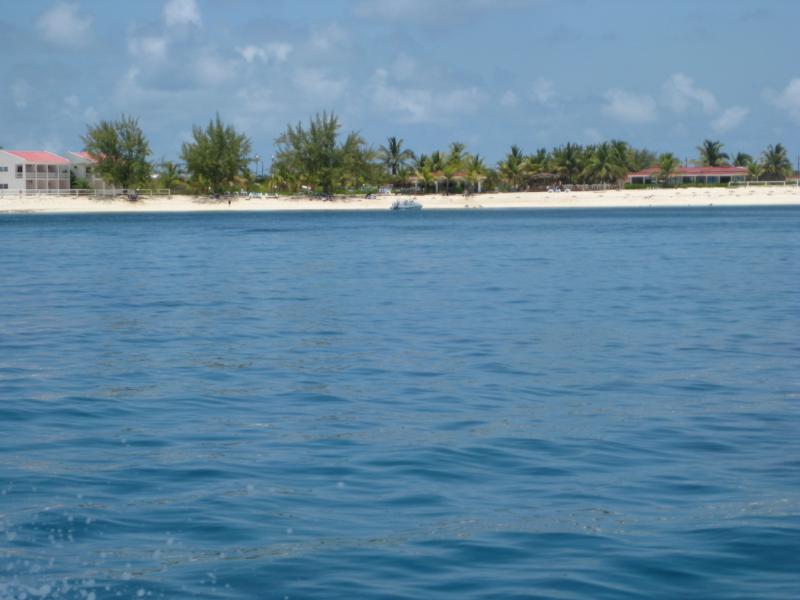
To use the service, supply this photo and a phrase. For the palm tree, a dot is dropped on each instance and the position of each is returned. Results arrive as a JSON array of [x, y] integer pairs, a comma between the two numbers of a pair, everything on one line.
[[711, 154], [776, 162], [667, 164], [475, 170], [742, 159], [605, 164], [457, 156], [393, 156], [168, 176], [642, 159], [623, 155], [567, 161], [427, 177], [437, 161], [754, 171], [511, 169]]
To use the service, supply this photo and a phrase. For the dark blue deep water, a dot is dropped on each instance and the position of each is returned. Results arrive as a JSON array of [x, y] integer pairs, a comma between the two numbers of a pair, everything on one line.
[[509, 404]]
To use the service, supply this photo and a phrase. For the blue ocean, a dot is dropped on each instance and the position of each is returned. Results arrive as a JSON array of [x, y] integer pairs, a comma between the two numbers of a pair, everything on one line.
[[456, 404]]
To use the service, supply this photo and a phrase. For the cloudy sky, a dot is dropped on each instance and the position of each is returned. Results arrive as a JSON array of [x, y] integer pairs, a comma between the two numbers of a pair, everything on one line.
[[660, 74]]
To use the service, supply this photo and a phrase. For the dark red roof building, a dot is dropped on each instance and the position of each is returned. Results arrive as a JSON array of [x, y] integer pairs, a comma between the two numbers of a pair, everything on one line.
[[689, 175]]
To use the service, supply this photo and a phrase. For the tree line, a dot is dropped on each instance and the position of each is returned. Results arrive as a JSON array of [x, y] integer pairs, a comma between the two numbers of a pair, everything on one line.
[[317, 158]]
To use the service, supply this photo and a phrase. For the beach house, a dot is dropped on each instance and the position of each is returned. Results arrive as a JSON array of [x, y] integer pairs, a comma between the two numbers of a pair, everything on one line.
[[84, 166], [691, 175], [33, 171]]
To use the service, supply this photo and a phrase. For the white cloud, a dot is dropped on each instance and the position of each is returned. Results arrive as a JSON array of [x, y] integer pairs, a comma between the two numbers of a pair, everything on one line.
[[788, 99], [543, 91], [20, 92], [64, 26], [680, 93], [316, 83], [509, 99], [274, 52], [213, 70], [148, 47], [256, 100], [629, 107], [182, 12], [730, 118], [330, 37], [418, 105]]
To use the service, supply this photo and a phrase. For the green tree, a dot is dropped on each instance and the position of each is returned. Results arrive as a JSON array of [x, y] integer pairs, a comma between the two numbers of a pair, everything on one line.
[[457, 155], [668, 163], [567, 161], [776, 163], [75, 182], [168, 175], [754, 171], [358, 163], [121, 150], [710, 154], [313, 157], [742, 159], [437, 161], [217, 158], [394, 157], [512, 169], [641, 159], [476, 170], [606, 164]]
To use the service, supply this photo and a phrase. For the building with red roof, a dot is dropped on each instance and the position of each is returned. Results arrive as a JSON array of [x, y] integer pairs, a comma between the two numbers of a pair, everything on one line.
[[84, 166], [33, 171], [690, 175]]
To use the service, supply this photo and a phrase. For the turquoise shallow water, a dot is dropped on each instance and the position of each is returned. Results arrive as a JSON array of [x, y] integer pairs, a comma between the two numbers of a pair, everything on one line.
[[510, 404]]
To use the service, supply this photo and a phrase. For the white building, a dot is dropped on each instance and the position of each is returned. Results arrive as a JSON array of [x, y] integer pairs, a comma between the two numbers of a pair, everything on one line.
[[85, 167], [33, 171]]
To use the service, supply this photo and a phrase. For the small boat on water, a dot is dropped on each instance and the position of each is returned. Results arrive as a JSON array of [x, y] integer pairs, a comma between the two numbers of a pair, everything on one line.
[[405, 205]]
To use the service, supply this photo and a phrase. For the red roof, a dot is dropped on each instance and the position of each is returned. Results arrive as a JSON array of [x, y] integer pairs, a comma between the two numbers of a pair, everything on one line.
[[39, 157], [84, 155], [694, 171]]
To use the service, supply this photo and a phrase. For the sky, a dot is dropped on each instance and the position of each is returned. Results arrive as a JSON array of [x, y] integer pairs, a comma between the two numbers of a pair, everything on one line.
[[663, 75]]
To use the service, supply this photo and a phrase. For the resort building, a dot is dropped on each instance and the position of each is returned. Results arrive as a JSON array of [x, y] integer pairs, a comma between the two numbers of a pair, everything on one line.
[[690, 175], [27, 171], [84, 167]]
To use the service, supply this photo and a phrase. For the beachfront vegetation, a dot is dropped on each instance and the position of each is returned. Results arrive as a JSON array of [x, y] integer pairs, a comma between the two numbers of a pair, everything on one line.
[[316, 158], [169, 176], [776, 163], [755, 171], [121, 150], [667, 165], [394, 157], [312, 158], [217, 160], [710, 154]]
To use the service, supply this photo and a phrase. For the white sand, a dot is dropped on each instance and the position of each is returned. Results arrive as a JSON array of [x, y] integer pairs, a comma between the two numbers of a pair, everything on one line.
[[739, 196]]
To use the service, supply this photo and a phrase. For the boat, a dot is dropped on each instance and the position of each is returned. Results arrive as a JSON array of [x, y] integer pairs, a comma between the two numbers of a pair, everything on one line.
[[405, 205]]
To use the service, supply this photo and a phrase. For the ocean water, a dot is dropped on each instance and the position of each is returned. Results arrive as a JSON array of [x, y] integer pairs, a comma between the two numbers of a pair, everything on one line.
[[486, 404]]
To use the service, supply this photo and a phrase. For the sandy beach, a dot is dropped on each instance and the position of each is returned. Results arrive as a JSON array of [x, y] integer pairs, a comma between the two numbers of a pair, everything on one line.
[[688, 197]]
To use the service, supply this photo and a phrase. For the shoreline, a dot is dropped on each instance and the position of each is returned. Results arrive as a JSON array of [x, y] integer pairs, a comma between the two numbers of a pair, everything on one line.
[[656, 198]]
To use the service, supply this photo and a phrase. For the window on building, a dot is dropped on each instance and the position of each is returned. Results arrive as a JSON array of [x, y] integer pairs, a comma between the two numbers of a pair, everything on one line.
[[4, 186], [3, 169], [19, 171]]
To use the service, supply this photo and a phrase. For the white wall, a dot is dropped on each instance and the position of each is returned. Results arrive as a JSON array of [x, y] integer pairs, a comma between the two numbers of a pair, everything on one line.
[[9, 177]]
